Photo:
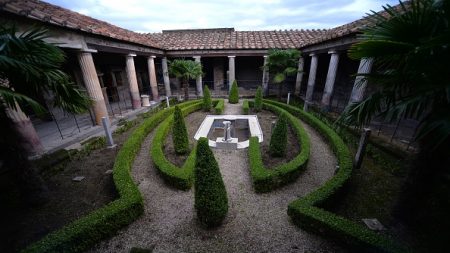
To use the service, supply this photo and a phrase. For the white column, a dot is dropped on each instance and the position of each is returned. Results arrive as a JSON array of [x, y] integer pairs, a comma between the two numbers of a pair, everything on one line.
[[166, 76], [231, 71], [311, 81], [92, 84], [265, 79], [359, 87], [152, 75], [298, 80], [132, 81], [331, 78], [199, 79]]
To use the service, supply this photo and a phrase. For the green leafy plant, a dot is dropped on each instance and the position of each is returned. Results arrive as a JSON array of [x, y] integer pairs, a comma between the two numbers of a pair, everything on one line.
[[281, 64], [258, 100], [278, 140], [211, 201], [245, 107], [233, 98], [179, 133], [185, 70], [207, 102], [220, 106]]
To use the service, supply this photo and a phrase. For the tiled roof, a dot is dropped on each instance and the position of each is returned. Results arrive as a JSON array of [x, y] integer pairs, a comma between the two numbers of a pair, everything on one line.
[[227, 38], [353, 27], [190, 39], [59, 16]]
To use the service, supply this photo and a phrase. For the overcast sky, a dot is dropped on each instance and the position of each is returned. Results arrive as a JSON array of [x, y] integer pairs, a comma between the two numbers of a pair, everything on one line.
[[243, 15]]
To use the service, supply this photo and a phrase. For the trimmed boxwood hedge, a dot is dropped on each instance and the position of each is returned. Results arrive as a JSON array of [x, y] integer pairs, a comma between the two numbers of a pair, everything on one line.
[[245, 107], [81, 234], [307, 211], [278, 141], [220, 106], [211, 201], [179, 133], [180, 178], [207, 102], [233, 97], [265, 180]]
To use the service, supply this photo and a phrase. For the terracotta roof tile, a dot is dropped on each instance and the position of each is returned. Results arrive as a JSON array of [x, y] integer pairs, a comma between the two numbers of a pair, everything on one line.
[[228, 38], [59, 16]]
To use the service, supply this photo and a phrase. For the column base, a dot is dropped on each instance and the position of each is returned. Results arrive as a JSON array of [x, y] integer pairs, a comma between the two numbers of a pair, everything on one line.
[[100, 111]]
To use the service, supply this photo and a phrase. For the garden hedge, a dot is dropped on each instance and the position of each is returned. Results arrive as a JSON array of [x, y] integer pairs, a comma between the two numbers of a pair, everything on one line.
[[179, 133], [180, 178], [220, 106], [207, 103], [83, 233], [233, 98], [308, 213], [278, 141], [211, 201], [245, 107], [264, 179]]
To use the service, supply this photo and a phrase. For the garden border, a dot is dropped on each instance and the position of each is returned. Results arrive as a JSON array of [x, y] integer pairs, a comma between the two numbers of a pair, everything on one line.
[[306, 211], [84, 232], [266, 180]]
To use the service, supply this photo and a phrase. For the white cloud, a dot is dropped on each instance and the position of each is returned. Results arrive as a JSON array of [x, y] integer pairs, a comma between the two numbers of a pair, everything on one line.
[[157, 15]]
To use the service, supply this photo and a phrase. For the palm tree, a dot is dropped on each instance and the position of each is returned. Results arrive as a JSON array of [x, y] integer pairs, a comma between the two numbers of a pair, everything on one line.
[[185, 70], [28, 63], [410, 48], [281, 64]]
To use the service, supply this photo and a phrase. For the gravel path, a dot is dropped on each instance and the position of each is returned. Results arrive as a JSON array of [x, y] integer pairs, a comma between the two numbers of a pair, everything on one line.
[[255, 222]]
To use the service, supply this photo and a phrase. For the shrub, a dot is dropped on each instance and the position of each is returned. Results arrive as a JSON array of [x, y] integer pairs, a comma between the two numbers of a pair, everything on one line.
[[233, 98], [179, 133], [207, 103], [245, 107], [211, 201], [258, 100], [220, 106], [278, 141]]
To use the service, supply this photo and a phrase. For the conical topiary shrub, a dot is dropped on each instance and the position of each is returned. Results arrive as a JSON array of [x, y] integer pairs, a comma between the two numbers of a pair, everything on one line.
[[278, 141], [258, 100], [211, 201], [233, 98], [207, 103], [179, 133]]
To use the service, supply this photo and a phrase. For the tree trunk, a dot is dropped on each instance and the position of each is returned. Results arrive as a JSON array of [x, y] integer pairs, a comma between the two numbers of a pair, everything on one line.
[[186, 90], [32, 187], [280, 90]]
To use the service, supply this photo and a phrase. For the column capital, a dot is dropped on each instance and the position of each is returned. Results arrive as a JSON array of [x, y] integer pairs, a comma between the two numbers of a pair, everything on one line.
[[151, 56], [313, 54], [265, 56], [231, 56], [333, 51], [131, 55], [196, 57]]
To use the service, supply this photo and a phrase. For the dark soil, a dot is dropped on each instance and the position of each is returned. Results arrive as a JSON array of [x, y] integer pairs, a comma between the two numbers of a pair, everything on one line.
[[68, 200]]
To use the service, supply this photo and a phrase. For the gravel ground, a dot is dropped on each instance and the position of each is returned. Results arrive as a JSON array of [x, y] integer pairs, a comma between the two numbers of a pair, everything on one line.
[[255, 222]]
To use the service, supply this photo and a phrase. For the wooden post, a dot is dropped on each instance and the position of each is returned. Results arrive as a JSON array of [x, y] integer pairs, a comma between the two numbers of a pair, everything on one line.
[[361, 148]]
